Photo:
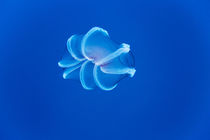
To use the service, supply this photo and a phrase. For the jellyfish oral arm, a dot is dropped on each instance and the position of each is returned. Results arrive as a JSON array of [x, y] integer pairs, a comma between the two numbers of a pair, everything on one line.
[[130, 71], [124, 49]]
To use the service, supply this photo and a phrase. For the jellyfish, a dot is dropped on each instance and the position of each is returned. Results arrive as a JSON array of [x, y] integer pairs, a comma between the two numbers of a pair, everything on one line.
[[97, 61]]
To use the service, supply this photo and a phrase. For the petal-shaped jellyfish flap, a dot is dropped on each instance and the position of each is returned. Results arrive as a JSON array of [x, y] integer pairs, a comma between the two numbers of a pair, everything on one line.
[[96, 44], [86, 75], [74, 47], [123, 64], [67, 61], [106, 81], [72, 72], [128, 59]]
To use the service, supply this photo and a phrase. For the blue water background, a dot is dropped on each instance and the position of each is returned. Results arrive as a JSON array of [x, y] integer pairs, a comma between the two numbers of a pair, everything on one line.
[[167, 99]]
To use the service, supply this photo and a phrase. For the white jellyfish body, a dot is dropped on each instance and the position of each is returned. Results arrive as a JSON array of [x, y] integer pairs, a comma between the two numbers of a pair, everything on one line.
[[96, 60]]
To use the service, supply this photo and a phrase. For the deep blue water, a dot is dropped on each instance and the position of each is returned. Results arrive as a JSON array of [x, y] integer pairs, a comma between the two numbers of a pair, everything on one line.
[[167, 99]]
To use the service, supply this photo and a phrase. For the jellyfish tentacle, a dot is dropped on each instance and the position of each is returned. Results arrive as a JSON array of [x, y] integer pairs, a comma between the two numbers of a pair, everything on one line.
[[122, 64], [119, 65], [130, 71], [124, 49]]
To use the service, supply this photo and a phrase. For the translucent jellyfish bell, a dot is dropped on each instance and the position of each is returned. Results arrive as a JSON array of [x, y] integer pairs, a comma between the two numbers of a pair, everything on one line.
[[96, 60]]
